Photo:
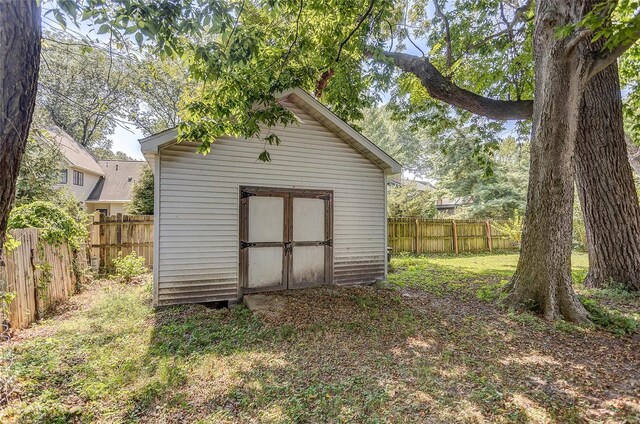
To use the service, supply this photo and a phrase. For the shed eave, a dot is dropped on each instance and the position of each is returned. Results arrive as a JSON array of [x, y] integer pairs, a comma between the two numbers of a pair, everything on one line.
[[153, 143], [378, 156]]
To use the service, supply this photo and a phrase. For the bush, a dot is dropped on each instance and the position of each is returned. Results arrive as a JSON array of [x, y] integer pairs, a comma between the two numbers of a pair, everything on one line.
[[129, 267], [579, 234], [69, 203], [408, 201], [512, 228], [56, 226]]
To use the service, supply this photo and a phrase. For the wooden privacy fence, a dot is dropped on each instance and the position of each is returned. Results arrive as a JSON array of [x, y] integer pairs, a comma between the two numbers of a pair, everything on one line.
[[37, 276], [445, 236], [120, 233], [126, 233]]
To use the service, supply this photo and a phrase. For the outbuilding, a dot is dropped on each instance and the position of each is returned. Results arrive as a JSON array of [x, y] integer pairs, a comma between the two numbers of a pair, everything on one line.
[[227, 224]]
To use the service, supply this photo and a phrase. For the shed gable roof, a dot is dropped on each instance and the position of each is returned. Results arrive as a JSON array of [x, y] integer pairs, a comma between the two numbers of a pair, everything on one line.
[[316, 109]]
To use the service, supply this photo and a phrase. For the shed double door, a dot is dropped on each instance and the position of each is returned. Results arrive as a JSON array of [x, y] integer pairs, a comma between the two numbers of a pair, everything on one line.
[[286, 238]]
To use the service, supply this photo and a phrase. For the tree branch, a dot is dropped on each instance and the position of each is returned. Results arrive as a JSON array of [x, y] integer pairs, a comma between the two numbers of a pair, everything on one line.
[[604, 60], [441, 88], [576, 39], [447, 32], [353, 31]]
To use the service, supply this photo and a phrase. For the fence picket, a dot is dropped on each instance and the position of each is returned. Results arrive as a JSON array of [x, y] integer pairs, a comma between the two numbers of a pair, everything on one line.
[[39, 276]]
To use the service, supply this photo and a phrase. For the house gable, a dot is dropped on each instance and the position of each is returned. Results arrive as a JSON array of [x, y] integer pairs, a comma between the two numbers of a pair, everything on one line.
[[300, 100]]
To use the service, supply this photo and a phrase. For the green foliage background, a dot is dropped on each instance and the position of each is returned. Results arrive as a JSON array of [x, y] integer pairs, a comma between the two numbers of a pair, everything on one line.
[[56, 225], [142, 202]]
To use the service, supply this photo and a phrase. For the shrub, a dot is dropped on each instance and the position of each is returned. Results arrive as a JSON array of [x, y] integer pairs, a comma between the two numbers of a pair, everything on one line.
[[512, 228], [579, 233], [129, 267], [408, 201], [56, 226]]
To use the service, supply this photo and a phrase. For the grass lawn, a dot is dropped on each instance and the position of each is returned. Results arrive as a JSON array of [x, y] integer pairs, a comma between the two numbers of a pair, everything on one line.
[[429, 345]]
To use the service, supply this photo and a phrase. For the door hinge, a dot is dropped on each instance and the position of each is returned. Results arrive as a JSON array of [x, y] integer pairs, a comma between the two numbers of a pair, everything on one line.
[[244, 194], [325, 197], [244, 244], [328, 242]]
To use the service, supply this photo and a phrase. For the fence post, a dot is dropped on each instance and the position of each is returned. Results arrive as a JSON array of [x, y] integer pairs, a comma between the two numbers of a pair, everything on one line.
[[94, 242], [489, 241], [454, 229], [417, 236]]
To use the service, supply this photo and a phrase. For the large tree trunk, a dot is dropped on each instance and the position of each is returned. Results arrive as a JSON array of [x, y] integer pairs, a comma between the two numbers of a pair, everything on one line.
[[20, 31], [542, 280], [605, 186]]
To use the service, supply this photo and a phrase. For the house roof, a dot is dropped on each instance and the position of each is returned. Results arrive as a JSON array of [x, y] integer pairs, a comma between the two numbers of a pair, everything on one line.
[[151, 144], [73, 152], [116, 185], [420, 185]]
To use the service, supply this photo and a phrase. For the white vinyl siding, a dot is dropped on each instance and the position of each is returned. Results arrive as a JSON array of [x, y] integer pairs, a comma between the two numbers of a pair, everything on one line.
[[199, 196]]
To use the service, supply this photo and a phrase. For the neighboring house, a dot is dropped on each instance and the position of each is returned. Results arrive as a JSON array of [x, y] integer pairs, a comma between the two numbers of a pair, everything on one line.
[[448, 206], [79, 172], [228, 224], [444, 205], [104, 186], [114, 191]]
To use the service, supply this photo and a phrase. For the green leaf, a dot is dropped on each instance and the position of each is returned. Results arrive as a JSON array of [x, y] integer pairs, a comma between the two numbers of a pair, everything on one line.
[[104, 28], [264, 156]]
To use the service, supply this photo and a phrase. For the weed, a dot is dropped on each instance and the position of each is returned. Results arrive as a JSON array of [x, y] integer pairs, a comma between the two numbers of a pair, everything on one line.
[[610, 319], [129, 267]]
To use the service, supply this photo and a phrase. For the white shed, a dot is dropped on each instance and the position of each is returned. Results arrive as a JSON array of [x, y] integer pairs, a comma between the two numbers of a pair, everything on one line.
[[228, 224]]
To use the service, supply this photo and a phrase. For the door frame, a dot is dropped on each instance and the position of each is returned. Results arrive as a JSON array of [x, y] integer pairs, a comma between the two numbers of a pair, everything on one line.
[[288, 194]]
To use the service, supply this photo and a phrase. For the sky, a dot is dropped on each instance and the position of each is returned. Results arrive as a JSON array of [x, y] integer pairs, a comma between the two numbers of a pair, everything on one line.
[[126, 140]]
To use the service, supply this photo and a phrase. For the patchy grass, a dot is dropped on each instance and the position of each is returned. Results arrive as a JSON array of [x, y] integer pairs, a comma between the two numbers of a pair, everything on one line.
[[430, 345]]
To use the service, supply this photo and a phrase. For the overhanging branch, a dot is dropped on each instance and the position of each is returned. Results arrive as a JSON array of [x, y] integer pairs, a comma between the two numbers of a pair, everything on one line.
[[608, 58], [443, 89]]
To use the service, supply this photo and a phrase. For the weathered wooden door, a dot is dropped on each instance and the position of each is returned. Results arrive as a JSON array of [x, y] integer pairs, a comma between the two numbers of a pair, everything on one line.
[[286, 238]]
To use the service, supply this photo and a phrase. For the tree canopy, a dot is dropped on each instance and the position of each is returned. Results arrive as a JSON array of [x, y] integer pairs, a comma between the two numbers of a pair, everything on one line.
[[478, 54], [143, 189]]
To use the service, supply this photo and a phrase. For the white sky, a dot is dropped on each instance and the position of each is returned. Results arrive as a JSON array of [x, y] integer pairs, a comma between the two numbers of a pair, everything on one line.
[[126, 140]]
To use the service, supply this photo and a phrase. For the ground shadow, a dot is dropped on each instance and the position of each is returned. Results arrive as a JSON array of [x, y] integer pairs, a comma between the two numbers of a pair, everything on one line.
[[383, 354]]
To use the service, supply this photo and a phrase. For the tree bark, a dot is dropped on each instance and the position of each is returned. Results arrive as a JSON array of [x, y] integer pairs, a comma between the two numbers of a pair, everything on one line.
[[542, 280], [20, 32], [605, 186]]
